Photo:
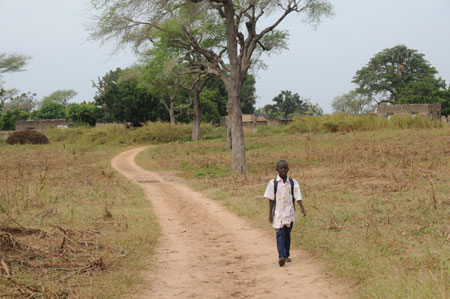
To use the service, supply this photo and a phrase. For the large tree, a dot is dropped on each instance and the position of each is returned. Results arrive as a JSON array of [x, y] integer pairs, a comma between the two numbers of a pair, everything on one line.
[[288, 103], [396, 74], [199, 21]]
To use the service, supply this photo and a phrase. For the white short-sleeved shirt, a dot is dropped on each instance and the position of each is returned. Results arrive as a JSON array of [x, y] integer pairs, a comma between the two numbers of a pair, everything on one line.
[[284, 209]]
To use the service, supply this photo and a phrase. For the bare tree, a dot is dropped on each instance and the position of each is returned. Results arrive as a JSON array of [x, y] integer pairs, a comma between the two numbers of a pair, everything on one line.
[[25, 102]]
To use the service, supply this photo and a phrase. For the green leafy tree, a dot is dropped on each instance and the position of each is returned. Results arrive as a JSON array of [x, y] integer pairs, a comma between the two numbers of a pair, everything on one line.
[[398, 72], [50, 110], [123, 99], [60, 96], [84, 113], [287, 103], [161, 76], [210, 111], [248, 95], [9, 117], [445, 96], [225, 34]]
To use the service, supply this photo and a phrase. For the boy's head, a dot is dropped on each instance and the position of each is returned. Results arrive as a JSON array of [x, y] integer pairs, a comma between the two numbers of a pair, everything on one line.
[[282, 168]]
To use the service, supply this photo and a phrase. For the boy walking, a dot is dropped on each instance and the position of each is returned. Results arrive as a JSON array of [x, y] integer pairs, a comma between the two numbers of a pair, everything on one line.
[[282, 194]]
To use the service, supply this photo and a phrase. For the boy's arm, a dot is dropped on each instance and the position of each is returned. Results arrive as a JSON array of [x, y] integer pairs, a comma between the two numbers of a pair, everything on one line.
[[270, 211], [301, 207]]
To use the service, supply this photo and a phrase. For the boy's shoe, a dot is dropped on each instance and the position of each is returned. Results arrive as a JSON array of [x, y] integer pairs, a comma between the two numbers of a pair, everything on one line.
[[288, 260], [281, 261]]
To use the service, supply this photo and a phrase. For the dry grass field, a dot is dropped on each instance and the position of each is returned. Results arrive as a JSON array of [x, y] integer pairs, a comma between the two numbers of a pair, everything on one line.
[[378, 202], [69, 225]]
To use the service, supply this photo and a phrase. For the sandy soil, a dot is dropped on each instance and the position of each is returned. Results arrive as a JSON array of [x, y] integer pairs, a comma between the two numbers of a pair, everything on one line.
[[205, 251]]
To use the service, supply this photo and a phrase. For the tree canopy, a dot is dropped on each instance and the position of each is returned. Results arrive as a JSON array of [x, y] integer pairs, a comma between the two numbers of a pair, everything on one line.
[[124, 100], [60, 96], [288, 104], [12, 62], [396, 74]]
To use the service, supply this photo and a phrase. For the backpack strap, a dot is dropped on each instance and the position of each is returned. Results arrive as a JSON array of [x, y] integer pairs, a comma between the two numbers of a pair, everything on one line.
[[275, 187], [292, 191]]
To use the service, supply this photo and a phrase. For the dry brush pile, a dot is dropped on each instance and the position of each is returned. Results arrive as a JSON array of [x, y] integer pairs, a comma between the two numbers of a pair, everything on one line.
[[69, 225]]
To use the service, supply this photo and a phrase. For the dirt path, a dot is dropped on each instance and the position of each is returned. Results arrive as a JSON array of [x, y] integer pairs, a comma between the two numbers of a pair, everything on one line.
[[205, 251]]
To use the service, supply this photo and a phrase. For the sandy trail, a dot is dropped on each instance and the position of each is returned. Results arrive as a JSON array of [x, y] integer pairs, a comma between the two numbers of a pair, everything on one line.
[[205, 251]]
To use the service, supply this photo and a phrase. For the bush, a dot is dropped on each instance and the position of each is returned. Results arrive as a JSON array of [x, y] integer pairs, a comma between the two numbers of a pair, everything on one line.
[[113, 134], [409, 122], [84, 113], [159, 132], [343, 123], [50, 110], [9, 117], [27, 136]]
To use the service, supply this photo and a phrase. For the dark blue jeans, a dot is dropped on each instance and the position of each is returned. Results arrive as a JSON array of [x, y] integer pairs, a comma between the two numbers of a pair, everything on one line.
[[284, 240]]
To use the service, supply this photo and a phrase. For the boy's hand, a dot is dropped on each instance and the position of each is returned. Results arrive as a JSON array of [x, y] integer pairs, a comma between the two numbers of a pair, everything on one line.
[[301, 207], [271, 218]]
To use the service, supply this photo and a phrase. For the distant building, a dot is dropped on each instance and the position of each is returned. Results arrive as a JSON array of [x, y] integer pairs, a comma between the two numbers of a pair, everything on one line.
[[429, 111], [262, 121], [247, 120], [41, 124]]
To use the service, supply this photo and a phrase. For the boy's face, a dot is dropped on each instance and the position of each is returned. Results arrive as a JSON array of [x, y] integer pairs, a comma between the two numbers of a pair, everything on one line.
[[283, 169]]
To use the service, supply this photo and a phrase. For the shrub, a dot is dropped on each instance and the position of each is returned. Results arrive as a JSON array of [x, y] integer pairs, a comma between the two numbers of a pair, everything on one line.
[[305, 124], [409, 122], [50, 110], [111, 134], [341, 122], [9, 117], [70, 135], [159, 132], [27, 136]]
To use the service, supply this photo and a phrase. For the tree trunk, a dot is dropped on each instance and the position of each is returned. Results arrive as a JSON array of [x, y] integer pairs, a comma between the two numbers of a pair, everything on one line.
[[229, 139], [239, 160], [196, 129], [171, 112]]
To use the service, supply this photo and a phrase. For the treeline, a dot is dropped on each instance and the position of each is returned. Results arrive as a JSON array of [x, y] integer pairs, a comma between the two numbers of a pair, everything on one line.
[[122, 96]]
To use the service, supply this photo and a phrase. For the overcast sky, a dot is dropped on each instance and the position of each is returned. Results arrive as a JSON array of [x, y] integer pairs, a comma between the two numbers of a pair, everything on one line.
[[319, 64]]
